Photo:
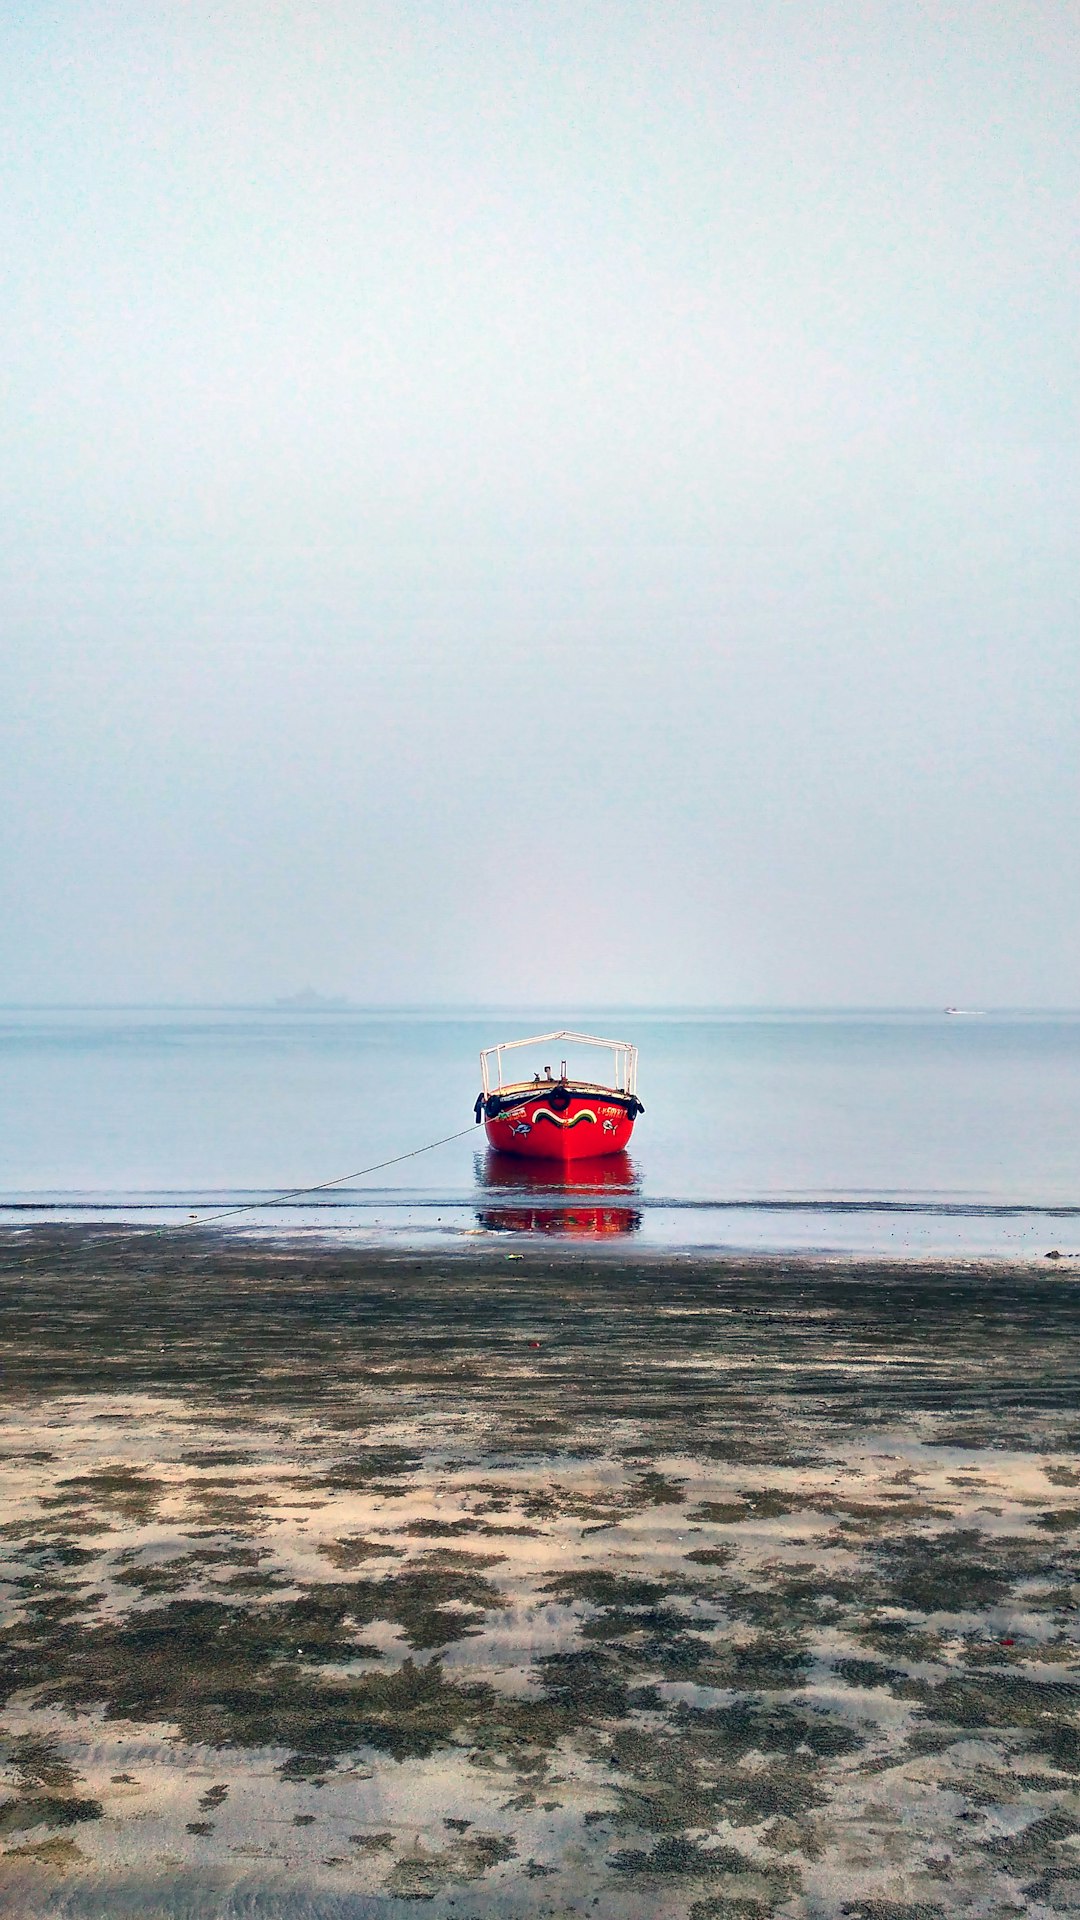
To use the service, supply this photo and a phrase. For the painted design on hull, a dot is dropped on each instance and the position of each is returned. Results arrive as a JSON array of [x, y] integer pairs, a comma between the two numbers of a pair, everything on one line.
[[582, 1132]]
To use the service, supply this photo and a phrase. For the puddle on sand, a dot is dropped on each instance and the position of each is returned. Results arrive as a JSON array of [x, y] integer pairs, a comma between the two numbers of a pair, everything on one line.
[[453, 1628]]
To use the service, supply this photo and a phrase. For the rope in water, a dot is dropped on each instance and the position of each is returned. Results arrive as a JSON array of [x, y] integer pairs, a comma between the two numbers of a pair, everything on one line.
[[298, 1193]]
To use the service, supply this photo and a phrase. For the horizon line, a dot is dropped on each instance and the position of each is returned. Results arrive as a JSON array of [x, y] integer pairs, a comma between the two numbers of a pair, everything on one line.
[[332, 1004]]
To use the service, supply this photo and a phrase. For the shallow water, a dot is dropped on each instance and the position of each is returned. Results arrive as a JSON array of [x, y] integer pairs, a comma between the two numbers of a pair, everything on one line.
[[900, 1132]]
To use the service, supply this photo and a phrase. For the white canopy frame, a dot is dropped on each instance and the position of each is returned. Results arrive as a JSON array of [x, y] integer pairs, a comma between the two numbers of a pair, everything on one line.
[[624, 1060]]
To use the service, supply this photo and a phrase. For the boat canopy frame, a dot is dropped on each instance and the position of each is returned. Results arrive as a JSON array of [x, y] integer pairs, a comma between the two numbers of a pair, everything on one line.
[[624, 1055]]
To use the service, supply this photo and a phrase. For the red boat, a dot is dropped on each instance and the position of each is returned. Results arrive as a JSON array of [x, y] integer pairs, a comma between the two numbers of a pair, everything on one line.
[[545, 1116]]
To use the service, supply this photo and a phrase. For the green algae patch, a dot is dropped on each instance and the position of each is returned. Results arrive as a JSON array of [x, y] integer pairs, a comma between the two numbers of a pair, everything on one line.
[[944, 1573], [444, 1559], [678, 1856], [588, 1684], [884, 1909], [121, 1490], [56, 1854], [737, 1907], [1046, 1712], [47, 1554], [210, 1457], [432, 1607], [406, 1714], [768, 1662], [875, 1673], [354, 1549], [902, 1639], [664, 1627], [36, 1762], [603, 1589], [1063, 1520], [693, 1774], [756, 1726], [421, 1875], [1036, 1845], [454, 1529], [47, 1810], [43, 1780], [653, 1489], [771, 1503], [234, 1675], [361, 1472], [751, 1887], [233, 1563], [787, 1603]]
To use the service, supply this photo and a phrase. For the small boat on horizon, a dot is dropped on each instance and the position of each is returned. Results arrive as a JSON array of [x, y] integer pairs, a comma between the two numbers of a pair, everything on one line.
[[544, 1116]]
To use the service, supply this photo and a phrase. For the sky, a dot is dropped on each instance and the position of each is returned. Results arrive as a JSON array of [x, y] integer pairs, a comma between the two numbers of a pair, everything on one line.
[[554, 502]]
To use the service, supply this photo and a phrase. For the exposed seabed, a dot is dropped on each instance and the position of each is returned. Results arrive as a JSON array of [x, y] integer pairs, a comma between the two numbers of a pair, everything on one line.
[[535, 1580]]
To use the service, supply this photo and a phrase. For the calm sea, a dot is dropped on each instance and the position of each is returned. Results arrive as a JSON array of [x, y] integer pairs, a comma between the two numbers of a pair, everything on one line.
[[845, 1131]]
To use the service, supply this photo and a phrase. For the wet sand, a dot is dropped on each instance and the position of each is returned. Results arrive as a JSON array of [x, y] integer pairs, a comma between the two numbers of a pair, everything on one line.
[[535, 1580]]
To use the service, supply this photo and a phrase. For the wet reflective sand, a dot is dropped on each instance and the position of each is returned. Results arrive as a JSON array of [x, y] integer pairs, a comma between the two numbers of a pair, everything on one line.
[[542, 1579]]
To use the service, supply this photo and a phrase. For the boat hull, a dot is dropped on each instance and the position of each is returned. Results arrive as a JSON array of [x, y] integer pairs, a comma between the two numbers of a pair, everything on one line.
[[581, 1128]]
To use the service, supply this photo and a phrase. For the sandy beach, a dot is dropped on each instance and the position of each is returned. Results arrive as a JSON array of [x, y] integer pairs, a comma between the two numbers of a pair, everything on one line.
[[535, 1579]]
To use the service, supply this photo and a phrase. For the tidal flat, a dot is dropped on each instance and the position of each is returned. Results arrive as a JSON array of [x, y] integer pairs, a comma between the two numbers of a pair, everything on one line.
[[534, 1580]]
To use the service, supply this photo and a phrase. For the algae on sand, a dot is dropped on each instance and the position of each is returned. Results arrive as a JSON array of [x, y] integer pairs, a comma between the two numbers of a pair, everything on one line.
[[648, 1628]]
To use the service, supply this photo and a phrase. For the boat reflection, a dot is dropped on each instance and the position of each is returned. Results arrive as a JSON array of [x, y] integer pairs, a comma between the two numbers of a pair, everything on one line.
[[588, 1198]]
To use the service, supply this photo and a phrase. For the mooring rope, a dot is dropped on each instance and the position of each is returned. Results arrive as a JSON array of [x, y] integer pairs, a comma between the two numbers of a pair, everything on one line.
[[298, 1193]]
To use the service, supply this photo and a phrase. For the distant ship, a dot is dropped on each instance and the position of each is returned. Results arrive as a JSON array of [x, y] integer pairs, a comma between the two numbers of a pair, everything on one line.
[[308, 1001], [558, 1117], [968, 1013]]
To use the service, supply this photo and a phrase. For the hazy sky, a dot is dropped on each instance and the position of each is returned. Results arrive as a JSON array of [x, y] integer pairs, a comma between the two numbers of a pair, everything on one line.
[[557, 501]]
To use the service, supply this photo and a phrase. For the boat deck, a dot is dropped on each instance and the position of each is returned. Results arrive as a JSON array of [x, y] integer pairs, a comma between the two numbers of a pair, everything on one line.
[[528, 1089]]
